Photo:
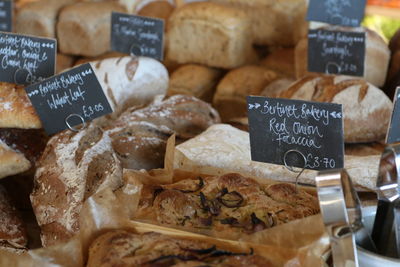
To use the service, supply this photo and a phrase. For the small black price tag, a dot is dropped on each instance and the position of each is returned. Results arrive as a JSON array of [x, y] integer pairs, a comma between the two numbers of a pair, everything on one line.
[[26, 59], [313, 130], [336, 52], [70, 98], [393, 134], [6, 15], [339, 12], [137, 35]]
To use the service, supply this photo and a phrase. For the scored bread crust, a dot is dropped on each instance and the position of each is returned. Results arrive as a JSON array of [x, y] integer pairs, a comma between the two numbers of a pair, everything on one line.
[[229, 205], [73, 167], [366, 109], [123, 248], [16, 110]]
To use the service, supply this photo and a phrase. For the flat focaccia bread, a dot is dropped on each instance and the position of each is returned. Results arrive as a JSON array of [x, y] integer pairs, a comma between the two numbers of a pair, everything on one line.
[[123, 248], [228, 205]]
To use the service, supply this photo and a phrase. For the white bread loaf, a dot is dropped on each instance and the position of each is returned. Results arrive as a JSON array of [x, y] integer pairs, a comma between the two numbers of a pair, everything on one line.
[[128, 81], [40, 18], [224, 148], [377, 56], [273, 22], [84, 28], [210, 34], [72, 168], [366, 108]]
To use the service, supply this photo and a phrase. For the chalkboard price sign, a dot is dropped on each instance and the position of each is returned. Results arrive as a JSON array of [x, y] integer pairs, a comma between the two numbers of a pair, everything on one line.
[[336, 52], [137, 35], [26, 59], [393, 134], [339, 12], [6, 15], [314, 130], [69, 98]]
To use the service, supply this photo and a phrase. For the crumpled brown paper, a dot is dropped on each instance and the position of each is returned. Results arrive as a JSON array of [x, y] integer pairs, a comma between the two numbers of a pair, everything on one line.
[[298, 243]]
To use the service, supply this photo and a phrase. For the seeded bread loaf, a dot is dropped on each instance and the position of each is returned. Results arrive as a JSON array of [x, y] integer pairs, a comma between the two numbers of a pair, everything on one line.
[[40, 18], [273, 22], [366, 109], [210, 34], [230, 97], [229, 205], [12, 230], [377, 56], [73, 167], [123, 248], [195, 80], [84, 28], [139, 137]]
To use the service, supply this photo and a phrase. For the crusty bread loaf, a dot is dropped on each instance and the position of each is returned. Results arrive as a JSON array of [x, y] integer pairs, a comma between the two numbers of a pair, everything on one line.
[[228, 205], [210, 34], [273, 22], [64, 62], [157, 9], [84, 28], [131, 81], [111, 54], [16, 110], [39, 18], [366, 109], [394, 43], [280, 60], [139, 137], [73, 167], [11, 161], [377, 56], [195, 80], [124, 248], [12, 231], [275, 88], [223, 148], [230, 97]]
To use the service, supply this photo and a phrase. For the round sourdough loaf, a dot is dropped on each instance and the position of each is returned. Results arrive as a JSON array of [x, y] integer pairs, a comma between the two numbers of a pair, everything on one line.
[[129, 81], [366, 108], [377, 55], [73, 167]]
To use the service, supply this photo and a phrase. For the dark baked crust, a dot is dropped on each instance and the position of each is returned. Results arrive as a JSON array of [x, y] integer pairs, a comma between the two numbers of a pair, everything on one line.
[[227, 205], [123, 248]]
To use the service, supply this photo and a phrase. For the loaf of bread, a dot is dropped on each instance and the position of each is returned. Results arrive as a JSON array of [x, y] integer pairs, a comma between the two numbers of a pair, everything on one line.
[[195, 80], [275, 88], [40, 18], [156, 9], [273, 22], [223, 147], [16, 110], [12, 230], [123, 248], [84, 28], [280, 60], [229, 206], [131, 81], [64, 62], [394, 44], [73, 167], [111, 54], [366, 109], [11, 161], [139, 137], [377, 56], [230, 97], [210, 34]]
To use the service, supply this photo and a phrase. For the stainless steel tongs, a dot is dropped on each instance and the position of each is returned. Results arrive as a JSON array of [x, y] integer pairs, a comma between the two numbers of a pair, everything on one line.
[[341, 211], [386, 232]]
